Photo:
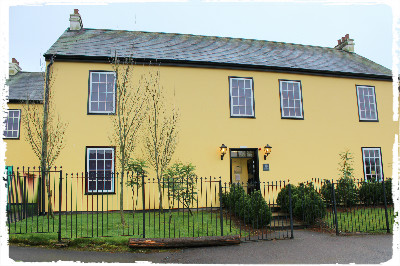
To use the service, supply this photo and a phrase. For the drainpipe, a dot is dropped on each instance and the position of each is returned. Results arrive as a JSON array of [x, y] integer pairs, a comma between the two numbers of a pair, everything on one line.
[[43, 161]]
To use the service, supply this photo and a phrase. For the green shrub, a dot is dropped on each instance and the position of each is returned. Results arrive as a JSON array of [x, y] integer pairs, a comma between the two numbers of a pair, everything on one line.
[[260, 213], [371, 192], [326, 192], [346, 192], [307, 203], [283, 197], [252, 208]]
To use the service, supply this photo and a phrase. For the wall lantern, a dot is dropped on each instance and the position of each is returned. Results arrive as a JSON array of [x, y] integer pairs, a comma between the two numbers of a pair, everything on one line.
[[223, 150], [267, 151]]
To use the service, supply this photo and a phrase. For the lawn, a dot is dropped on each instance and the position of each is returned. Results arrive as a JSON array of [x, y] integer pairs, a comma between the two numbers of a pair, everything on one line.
[[108, 224], [362, 219]]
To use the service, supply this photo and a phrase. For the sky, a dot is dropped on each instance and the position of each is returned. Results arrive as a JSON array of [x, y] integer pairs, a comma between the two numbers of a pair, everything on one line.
[[33, 29]]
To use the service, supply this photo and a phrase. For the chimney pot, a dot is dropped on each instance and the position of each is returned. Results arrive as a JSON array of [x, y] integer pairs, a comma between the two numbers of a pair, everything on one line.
[[339, 42], [347, 36], [75, 21], [14, 67], [343, 39]]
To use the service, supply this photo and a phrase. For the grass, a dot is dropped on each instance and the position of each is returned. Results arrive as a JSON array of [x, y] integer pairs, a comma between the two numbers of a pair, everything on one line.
[[91, 229], [362, 219]]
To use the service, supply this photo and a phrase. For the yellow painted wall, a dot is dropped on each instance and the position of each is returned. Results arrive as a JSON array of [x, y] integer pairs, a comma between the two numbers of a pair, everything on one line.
[[18, 151], [302, 149]]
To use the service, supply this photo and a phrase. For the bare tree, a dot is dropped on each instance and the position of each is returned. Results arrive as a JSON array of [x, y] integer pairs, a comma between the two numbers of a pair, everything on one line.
[[129, 115], [45, 131], [161, 136]]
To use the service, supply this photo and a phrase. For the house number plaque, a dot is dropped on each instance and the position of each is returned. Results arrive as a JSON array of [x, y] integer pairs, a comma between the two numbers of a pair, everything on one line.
[[266, 167]]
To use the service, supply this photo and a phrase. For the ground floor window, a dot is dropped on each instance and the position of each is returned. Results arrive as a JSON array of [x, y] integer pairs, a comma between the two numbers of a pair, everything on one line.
[[100, 169], [372, 159]]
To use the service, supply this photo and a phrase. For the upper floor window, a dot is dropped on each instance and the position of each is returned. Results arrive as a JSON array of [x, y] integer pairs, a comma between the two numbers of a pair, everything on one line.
[[367, 110], [12, 124], [372, 160], [291, 99], [101, 92], [100, 168], [241, 97]]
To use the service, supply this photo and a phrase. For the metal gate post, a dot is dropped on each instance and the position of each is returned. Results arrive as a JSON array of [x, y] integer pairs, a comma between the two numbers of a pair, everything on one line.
[[144, 208], [334, 209], [290, 211], [59, 206], [386, 210], [221, 217]]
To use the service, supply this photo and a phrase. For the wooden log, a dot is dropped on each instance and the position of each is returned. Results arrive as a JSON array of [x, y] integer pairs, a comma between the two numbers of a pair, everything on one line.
[[184, 242]]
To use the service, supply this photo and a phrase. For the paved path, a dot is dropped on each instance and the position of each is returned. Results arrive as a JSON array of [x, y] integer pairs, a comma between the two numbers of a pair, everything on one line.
[[307, 247]]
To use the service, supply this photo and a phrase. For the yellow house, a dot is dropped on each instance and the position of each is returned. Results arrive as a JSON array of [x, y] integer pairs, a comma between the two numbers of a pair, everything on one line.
[[309, 103]]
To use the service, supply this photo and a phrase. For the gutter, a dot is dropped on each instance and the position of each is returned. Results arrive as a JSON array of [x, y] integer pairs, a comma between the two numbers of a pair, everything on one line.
[[202, 64]]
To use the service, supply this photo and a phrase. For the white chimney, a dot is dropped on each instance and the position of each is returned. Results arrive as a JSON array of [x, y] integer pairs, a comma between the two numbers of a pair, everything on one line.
[[345, 44], [13, 67], [75, 21]]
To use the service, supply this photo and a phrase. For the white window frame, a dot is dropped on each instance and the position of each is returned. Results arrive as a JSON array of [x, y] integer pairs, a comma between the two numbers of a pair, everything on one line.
[[231, 97], [366, 176], [300, 99], [6, 129], [112, 189], [361, 105], [90, 111]]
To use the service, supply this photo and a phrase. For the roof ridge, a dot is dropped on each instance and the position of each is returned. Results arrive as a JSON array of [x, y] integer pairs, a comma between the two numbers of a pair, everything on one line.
[[219, 37]]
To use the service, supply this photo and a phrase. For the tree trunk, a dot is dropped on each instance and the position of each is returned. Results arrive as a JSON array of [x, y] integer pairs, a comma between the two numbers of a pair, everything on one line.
[[184, 242], [121, 199]]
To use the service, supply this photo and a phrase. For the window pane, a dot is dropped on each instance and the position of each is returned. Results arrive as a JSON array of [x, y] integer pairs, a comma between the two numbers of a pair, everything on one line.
[[247, 83], [95, 87], [248, 93], [234, 83], [241, 84], [235, 92], [102, 96], [235, 100], [285, 103], [95, 77], [249, 110], [94, 106], [92, 165], [241, 92], [290, 86], [298, 111], [103, 77], [285, 94], [102, 87], [234, 153], [291, 111], [108, 165], [235, 110], [95, 96], [241, 100], [286, 112], [100, 165], [15, 134], [248, 101], [291, 103], [242, 110], [102, 106]]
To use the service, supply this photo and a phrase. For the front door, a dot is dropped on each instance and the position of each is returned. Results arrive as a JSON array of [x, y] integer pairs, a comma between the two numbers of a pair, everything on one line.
[[244, 168]]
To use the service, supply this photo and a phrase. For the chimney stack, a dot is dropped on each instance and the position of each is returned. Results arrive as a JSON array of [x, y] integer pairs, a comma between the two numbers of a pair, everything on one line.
[[75, 21], [13, 67], [345, 44]]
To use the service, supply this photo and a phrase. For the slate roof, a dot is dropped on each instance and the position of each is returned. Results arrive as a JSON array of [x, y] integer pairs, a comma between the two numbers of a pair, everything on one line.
[[25, 85], [178, 48]]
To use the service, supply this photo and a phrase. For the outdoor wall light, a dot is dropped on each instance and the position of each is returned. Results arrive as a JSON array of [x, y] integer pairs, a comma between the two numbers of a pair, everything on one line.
[[223, 150], [267, 151]]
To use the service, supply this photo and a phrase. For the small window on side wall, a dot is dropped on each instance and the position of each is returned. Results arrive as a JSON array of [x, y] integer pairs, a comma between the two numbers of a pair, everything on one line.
[[241, 94], [100, 170], [101, 92], [372, 160], [367, 110], [291, 99], [12, 124]]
